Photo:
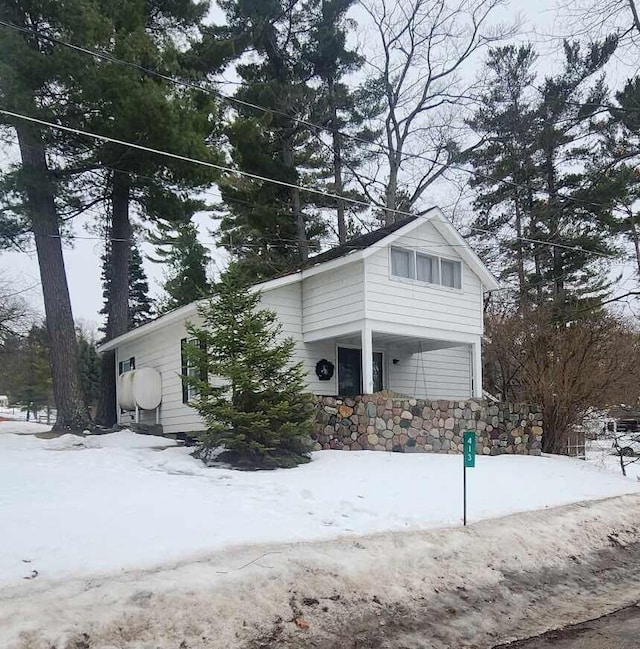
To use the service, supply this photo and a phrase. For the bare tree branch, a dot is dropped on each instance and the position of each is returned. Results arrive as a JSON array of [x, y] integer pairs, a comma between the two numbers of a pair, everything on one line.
[[424, 47]]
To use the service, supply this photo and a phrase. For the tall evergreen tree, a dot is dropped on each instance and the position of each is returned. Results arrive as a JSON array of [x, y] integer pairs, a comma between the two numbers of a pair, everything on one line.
[[622, 157], [34, 81], [33, 389], [341, 109], [186, 260], [121, 102], [139, 305], [545, 183], [100, 95], [269, 228], [89, 367], [505, 165]]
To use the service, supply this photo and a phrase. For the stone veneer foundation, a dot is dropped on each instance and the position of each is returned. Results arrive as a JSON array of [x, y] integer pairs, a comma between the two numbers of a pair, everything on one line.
[[388, 422]]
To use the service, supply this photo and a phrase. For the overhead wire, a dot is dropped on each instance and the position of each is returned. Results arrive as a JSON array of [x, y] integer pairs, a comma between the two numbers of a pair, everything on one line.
[[253, 106], [295, 119], [258, 177]]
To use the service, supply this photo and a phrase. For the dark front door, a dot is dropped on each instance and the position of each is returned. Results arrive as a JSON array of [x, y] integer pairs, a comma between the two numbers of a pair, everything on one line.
[[350, 371], [377, 372]]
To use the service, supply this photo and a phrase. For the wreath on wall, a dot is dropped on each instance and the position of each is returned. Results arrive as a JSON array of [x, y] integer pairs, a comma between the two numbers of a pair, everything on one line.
[[324, 370]]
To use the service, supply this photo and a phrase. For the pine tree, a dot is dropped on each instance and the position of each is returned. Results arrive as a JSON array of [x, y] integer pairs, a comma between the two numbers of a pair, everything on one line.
[[186, 260], [122, 102], [89, 367], [34, 81], [34, 385], [268, 229], [256, 407], [576, 210], [622, 154], [506, 175], [342, 110], [139, 306], [539, 176]]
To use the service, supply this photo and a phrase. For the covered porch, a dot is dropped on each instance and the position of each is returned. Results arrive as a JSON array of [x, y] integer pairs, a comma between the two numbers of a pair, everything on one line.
[[424, 364]]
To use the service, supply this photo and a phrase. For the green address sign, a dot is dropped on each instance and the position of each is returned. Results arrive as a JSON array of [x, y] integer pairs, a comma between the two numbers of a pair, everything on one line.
[[469, 449]]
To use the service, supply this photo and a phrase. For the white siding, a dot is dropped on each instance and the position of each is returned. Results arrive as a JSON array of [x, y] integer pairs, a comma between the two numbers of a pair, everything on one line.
[[160, 349], [404, 301], [286, 302], [342, 299], [438, 374], [334, 297]]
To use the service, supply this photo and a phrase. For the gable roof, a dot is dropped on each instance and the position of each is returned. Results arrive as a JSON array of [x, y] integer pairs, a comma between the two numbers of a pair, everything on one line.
[[355, 249], [359, 243], [364, 246]]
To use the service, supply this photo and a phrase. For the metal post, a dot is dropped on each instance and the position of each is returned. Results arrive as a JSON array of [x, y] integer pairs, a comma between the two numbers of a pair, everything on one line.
[[464, 497]]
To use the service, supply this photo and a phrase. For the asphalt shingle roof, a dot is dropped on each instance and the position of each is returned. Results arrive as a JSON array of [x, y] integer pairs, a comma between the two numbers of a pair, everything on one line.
[[357, 243]]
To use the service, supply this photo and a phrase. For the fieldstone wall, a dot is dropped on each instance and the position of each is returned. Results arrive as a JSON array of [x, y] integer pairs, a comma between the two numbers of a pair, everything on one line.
[[387, 422]]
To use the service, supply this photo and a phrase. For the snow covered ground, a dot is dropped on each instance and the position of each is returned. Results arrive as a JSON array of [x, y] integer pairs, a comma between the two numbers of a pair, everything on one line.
[[101, 504]]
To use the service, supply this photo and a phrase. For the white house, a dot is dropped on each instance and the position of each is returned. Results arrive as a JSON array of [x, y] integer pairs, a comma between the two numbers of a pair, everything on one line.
[[398, 309]]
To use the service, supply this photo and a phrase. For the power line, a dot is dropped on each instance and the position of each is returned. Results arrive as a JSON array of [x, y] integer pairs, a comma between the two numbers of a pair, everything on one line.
[[273, 111], [282, 183], [211, 165]]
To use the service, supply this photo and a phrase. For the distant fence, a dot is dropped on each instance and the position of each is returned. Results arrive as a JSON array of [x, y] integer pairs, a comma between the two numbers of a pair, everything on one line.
[[576, 445]]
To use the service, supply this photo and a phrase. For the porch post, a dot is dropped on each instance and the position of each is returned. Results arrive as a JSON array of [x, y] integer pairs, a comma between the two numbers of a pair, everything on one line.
[[476, 369], [118, 413], [367, 361]]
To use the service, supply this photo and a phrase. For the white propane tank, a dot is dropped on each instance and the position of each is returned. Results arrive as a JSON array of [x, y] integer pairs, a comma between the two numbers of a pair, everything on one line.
[[140, 388]]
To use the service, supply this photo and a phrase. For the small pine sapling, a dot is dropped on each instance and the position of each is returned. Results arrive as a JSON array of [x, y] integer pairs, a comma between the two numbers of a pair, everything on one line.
[[248, 392]]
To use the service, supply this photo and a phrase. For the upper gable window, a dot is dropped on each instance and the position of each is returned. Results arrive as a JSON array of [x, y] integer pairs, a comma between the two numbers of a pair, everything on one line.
[[402, 263], [430, 269], [427, 267], [451, 273]]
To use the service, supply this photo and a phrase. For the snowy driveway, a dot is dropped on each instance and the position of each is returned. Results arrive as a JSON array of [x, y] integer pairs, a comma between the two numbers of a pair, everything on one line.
[[106, 503]]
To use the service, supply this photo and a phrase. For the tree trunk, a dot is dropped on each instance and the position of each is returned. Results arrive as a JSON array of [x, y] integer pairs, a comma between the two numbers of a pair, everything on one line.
[[634, 14], [554, 219], [118, 299], [634, 236], [296, 206], [520, 255], [118, 309], [337, 164], [106, 408], [63, 352], [391, 196]]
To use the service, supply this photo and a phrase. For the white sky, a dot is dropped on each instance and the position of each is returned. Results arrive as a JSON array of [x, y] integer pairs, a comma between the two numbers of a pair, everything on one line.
[[537, 19]]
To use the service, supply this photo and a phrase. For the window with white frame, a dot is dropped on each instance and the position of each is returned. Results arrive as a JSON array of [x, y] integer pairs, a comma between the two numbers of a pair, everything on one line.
[[451, 271], [410, 264], [427, 269], [402, 264]]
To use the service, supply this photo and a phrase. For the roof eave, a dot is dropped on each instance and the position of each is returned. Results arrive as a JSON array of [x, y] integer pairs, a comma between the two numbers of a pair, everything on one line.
[[143, 330]]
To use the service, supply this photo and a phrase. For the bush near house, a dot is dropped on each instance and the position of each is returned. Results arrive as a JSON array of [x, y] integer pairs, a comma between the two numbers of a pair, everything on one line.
[[249, 394]]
